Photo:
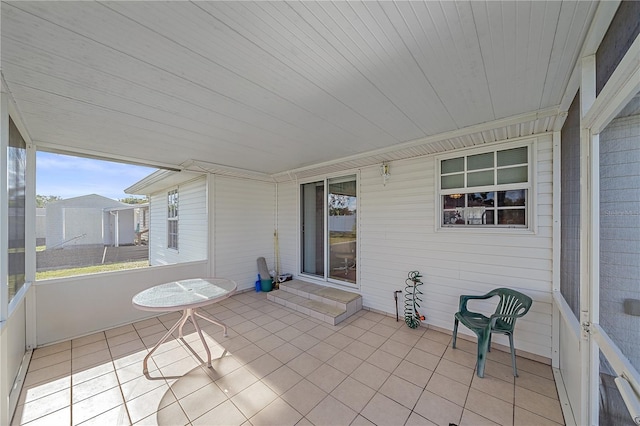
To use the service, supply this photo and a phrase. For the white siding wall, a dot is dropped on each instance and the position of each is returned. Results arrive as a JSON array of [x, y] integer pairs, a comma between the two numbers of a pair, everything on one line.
[[243, 228], [192, 225], [397, 234]]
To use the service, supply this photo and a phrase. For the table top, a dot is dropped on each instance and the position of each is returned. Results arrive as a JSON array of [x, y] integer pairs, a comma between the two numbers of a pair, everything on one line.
[[183, 294]]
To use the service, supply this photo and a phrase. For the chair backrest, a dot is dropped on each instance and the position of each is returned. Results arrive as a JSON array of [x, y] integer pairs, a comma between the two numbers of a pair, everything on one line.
[[511, 303]]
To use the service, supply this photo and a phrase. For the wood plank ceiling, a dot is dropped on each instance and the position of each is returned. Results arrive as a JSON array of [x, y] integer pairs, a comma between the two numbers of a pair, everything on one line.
[[277, 86]]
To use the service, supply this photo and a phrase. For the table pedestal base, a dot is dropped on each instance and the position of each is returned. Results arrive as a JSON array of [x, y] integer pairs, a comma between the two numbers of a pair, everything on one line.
[[187, 314]]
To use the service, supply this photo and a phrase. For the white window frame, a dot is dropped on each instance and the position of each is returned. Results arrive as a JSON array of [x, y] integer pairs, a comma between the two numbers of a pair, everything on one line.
[[529, 186], [172, 243]]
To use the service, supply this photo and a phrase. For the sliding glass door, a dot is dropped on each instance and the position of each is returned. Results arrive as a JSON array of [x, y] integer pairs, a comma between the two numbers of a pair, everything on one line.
[[329, 229]]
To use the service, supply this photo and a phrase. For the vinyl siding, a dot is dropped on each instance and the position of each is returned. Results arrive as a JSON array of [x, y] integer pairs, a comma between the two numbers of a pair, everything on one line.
[[192, 225], [398, 234], [243, 228]]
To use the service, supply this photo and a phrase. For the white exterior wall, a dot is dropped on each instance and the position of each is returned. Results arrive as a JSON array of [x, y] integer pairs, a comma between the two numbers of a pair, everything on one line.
[[243, 228], [397, 234], [192, 225]]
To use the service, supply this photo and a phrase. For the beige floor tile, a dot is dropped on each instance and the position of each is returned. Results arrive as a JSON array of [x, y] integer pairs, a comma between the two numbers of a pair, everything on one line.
[[384, 360], [344, 362], [285, 352], [438, 336], [370, 375], [323, 351], [263, 365], [523, 417], [320, 332], [193, 405], [133, 371], [51, 349], [413, 373], [128, 348], [236, 381], [37, 391], [495, 387], [91, 360], [46, 375], [181, 367], [274, 326], [384, 411], [256, 334], [455, 371], [43, 406], [539, 404], [94, 386], [49, 360], [88, 373], [304, 364], [304, 396], [253, 399], [361, 421], [448, 388], [384, 330], [148, 323], [359, 349], [461, 357], [172, 414], [270, 343], [408, 338], [117, 416], [282, 379], [326, 377], [222, 366], [416, 419], [352, 331], [534, 367], [225, 414], [331, 411], [86, 340], [401, 391], [60, 417], [469, 418], [489, 407], [278, 413], [338, 340], [139, 386], [248, 353], [190, 382], [437, 409], [467, 345], [364, 323], [119, 330], [90, 348], [304, 342], [499, 371], [123, 338], [431, 346], [305, 324], [353, 394], [422, 358], [537, 383], [372, 339], [96, 405], [396, 348]]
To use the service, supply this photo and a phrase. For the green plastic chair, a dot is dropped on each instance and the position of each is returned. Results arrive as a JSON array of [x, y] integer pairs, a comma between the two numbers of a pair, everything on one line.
[[512, 306]]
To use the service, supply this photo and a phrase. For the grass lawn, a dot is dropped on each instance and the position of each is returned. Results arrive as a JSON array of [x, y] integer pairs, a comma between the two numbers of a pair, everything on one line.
[[85, 270]]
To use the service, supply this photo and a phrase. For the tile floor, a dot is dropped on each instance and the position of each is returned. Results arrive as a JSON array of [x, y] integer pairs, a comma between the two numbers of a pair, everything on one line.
[[280, 368]]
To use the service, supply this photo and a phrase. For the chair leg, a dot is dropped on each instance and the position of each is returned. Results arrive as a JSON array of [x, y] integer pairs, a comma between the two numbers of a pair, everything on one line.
[[513, 355], [489, 348], [483, 345], [455, 332]]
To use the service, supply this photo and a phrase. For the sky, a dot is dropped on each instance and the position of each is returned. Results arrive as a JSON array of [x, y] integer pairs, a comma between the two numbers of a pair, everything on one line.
[[67, 177]]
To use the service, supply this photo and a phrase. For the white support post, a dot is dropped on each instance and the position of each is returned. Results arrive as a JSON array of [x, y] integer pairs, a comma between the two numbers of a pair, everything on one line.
[[555, 324]]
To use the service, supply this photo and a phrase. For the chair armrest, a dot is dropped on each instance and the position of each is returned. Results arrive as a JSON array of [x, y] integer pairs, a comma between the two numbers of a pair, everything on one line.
[[496, 317], [462, 307]]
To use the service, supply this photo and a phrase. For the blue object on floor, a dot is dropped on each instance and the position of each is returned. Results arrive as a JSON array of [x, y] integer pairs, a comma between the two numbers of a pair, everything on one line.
[[258, 284]]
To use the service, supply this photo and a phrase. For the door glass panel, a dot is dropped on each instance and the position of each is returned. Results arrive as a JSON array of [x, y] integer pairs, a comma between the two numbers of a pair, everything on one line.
[[17, 176], [620, 231], [342, 228], [619, 252], [313, 228]]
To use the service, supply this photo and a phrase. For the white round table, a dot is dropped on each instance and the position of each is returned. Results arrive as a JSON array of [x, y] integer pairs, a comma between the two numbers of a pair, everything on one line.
[[186, 296]]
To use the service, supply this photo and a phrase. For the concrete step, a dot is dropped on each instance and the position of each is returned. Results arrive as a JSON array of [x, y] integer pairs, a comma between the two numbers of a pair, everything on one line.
[[328, 304]]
